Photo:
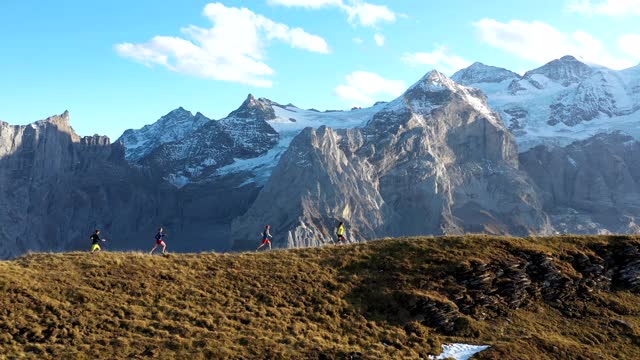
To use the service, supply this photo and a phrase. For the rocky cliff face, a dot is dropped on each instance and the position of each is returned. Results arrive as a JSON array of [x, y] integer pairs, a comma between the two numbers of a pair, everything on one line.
[[436, 160], [590, 186], [56, 187]]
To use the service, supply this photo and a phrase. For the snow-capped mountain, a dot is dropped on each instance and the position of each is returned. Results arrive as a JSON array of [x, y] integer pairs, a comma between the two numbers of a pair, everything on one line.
[[435, 160], [438, 159], [289, 121], [560, 102], [174, 126], [567, 70], [196, 157], [248, 142]]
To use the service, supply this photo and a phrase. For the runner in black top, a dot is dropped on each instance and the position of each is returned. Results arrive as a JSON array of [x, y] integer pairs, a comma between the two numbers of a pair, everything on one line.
[[95, 240]]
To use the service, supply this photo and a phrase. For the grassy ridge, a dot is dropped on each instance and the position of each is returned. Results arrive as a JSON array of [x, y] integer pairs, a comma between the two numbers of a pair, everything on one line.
[[397, 298]]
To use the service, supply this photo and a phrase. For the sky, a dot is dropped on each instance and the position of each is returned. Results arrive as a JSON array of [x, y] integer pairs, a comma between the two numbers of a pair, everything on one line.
[[120, 64]]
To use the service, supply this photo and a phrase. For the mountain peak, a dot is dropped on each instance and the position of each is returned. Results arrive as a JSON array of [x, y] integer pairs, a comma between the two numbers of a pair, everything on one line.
[[568, 58], [254, 108], [481, 73], [436, 90], [434, 81], [567, 70], [180, 111], [59, 119]]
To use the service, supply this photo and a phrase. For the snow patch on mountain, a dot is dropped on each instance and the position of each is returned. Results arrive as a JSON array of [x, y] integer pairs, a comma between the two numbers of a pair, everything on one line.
[[562, 101], [174, 126], [430, 93], [481, 73], [289, 121]]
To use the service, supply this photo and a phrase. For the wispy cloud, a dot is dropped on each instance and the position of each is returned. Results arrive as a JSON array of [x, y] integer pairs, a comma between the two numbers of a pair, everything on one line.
[[540, 42], [379, 39], [358, 11], [363, 88], [607, 7], [441, 58], [232, 50]]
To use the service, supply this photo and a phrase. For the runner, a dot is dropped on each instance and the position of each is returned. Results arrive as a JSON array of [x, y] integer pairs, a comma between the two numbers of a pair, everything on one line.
[[160, 242], [95, 240], [265, 238], [340, 234]]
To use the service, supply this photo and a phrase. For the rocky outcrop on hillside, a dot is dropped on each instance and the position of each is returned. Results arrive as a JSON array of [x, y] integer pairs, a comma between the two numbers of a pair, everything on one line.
[[436, 160], [487, 290]]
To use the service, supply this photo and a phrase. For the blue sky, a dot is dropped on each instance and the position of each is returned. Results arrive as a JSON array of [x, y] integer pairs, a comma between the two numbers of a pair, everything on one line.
[[122, 64]]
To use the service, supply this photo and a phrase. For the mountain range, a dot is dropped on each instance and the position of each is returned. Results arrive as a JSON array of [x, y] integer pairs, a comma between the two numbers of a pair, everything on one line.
[[560, 102], [487, 150]]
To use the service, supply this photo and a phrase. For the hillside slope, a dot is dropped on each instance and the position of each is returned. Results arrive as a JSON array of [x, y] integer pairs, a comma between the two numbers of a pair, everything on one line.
[[542, 298]]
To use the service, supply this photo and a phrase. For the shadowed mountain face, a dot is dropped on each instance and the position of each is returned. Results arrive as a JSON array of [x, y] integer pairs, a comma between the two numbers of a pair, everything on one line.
[[590, 186], [57, 187]]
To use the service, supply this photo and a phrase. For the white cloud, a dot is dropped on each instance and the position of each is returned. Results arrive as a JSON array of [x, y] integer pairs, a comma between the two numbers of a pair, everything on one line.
[[312, 4], [368, 14], [379, 39], [441, 59], [358, 11], [358, 40], [363, 88], [607, 7], [540, 42], [232, 50], [630, 44]]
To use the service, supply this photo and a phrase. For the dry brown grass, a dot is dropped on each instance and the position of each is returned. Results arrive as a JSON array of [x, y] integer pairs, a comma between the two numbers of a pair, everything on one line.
[[330, 302]]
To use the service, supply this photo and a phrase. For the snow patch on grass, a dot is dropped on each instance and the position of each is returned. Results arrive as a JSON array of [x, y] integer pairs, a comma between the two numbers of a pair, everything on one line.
[[459, 351]]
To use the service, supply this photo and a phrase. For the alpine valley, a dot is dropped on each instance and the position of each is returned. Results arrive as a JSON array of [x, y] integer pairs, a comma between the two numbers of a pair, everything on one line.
[[485, 151]]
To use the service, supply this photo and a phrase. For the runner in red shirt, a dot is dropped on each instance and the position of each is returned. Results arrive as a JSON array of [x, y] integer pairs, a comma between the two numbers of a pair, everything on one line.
[[160, 241], [266, 236]]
